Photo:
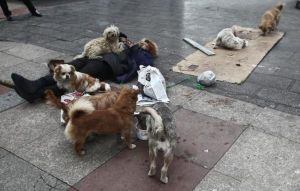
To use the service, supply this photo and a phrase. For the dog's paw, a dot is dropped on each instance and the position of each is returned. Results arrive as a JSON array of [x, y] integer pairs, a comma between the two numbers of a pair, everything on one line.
[[164, 179], [132, 146], [152, 172]]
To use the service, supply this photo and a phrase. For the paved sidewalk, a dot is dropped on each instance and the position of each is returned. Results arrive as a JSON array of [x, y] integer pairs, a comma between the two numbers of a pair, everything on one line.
[[223, 143], [66, 26], [230, 137]]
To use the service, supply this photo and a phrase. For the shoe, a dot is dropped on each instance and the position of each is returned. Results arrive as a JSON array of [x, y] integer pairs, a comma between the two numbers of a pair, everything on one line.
[[9, 18], [36, 13]]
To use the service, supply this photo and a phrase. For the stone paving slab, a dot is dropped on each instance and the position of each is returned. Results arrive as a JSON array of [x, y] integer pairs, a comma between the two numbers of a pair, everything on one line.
[[203, 140], [4, 45], [9, 60], [23, 124], [221, 107], [3, 153], [29, 70], [28, 51], [9, 100], [17, 174], [55, 154], [279, 124], [216, 181], [128, 171], [261, 162], [4, 89]]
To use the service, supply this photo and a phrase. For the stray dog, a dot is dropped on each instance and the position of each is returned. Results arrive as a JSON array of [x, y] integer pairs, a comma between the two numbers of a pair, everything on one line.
[[227, 39], [67, 78], [109, 43], [84, 119], [162, 136], [270, 19], [99, 101]]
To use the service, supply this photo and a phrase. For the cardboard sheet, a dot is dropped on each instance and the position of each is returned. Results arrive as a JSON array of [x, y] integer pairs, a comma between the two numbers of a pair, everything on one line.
[[232, 66]]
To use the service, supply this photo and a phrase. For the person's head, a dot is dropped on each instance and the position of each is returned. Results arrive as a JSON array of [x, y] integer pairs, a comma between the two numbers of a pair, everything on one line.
[[149, 46]]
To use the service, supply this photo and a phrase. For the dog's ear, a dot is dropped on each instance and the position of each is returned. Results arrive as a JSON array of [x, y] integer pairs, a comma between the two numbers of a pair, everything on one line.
[[57, 69], [73, 69]]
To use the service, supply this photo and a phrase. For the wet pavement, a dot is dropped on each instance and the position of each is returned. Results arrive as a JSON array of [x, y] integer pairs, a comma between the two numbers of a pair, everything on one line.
[[230, 137]]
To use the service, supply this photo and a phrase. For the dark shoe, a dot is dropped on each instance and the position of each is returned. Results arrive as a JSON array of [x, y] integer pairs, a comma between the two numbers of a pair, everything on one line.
[[37, 14], [52, 63], [19, 87], [9, 18], [30, 86]]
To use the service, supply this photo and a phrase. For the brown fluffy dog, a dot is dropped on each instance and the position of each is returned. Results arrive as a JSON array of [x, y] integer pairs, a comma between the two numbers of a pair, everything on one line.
[[270, 19], [84, 119], [99, 101]]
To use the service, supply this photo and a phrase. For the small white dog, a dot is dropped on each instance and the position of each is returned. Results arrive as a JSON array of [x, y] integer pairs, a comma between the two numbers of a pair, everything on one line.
[[109, 43], [227, 39], [67, 78]]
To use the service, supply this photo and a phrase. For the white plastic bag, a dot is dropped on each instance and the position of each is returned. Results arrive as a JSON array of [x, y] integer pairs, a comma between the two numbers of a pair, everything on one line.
[[207, 78], [154, 84]]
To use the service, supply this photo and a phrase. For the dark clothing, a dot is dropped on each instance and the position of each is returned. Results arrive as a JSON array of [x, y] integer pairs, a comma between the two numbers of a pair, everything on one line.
[[7, 12], [119, 67], [136, 57], [96, 68]]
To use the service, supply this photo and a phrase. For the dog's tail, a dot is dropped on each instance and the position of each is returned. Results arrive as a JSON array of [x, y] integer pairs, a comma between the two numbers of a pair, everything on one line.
[[7, 83], [81, 107], [280, 5], [78, 56], [159, 127], [51, 99]]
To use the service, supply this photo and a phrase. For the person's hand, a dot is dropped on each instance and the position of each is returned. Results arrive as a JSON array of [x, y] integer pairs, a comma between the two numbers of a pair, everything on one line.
[[127, 42], [144, 45]]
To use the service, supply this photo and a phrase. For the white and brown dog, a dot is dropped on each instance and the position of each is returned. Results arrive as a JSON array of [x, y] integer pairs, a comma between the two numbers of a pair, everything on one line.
[[67, 78], [226, 38], [109, 43], [161, 136]]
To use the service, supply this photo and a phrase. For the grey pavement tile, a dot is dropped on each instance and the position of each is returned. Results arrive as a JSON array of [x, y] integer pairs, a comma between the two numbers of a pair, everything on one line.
[[262, 162], [70, 46], [216, 181], [269, 81], [279, 124], [28, 51], [45, 58], [288, 73], [204, 140], [246, 88], [55, 154], [280, 96], [214, 105], [7, 45], [3, 153], [17, 174], [29, 70], [244, 97], [296, 87], [9, 60], [23, 124], [9, 100], [266, 68], [288, 109]]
